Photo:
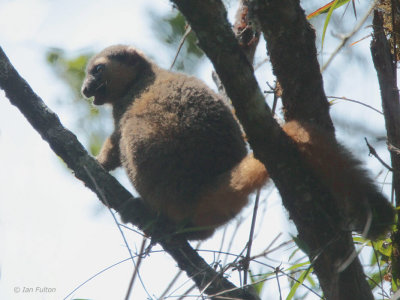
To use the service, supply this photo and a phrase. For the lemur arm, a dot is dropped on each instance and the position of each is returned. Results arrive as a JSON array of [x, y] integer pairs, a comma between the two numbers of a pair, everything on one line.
[[109, 156]]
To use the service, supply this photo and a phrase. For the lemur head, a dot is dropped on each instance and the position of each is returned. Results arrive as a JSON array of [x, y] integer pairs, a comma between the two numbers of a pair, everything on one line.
[[112, 73]]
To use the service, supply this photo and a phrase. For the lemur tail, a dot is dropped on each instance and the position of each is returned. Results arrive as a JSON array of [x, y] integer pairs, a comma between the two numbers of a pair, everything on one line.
[[223, 200]]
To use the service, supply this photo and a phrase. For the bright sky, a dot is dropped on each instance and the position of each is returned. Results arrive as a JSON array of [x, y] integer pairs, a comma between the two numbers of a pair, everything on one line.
[[52, 230]]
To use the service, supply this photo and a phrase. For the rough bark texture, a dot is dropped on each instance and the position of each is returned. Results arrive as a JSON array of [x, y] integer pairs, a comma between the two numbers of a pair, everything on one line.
[[246, 34], [308, 202], [386, 68], [291, 46], [245, 30], [65, 144]]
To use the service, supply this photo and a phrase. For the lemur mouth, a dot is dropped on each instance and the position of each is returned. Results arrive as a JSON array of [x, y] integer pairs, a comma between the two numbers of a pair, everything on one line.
[[100, 94]]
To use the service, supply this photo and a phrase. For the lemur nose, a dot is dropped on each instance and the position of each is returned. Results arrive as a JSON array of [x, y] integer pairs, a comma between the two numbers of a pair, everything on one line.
[[85, 91]]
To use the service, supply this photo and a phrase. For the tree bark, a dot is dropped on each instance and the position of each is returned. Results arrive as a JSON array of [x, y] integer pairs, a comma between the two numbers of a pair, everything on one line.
[[309, 203], [291, 47], [386, 68]]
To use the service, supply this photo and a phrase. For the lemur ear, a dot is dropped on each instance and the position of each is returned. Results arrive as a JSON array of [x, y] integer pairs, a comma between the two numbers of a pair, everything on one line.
[[134, 55], [128, 55]]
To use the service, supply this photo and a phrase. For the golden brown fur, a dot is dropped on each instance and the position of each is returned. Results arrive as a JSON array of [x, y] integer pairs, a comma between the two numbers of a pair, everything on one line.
[[363, 206], [177, 140], [184, 152]]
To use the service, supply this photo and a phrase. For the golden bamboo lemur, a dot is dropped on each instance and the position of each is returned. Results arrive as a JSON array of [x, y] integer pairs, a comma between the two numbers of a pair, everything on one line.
[[177, 140], [184, 151]]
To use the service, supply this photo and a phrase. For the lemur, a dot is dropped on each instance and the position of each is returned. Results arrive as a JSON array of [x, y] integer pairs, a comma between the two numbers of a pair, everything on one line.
[[184, 151]]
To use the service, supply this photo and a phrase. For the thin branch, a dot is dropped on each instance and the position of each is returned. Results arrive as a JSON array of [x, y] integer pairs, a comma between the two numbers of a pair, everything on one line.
[[349, 35], [136, 271], [183, 39], [276, 271], [104, 200], [239, 222], [379, 268], [356, 101], [95, 275], [171, 284], [221, 245], [131, 229], [273, 269], [250, 241], [135, 265], [186, 293], [277, 93], [373, 152]]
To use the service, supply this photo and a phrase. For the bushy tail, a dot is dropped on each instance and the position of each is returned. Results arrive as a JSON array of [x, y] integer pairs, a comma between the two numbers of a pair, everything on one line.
[[229, 194], [365, 208]]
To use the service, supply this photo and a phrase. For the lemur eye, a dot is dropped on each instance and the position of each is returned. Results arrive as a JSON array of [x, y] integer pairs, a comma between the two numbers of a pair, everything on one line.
[[97, 69]]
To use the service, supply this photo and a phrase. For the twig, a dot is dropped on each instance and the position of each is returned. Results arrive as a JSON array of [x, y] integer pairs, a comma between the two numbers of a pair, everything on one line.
[[372, 151], [350, 258], [259, 64], [356, 101], [349, 35], [269, 250], [104, 199], [171, 284], [274, 91], [272, 268], [379, 266], [131, 229], [94, 276], [250, 241], [222, 243], [292, 278], [136, 271], [239, 222], [183, 39], [276, 271], [187, 292]]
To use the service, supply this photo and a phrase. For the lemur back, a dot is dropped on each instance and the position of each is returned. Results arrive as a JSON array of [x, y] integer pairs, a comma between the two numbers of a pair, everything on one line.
[[176, 138], [180, 144]]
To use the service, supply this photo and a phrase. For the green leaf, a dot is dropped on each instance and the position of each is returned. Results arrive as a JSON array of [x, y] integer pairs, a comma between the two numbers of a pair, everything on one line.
[[384, 247], [298, 266], [300, 281], [328, 18], [324, 9]]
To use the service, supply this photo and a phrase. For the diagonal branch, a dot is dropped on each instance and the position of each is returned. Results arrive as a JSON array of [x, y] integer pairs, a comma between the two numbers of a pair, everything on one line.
[[65, 144]]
